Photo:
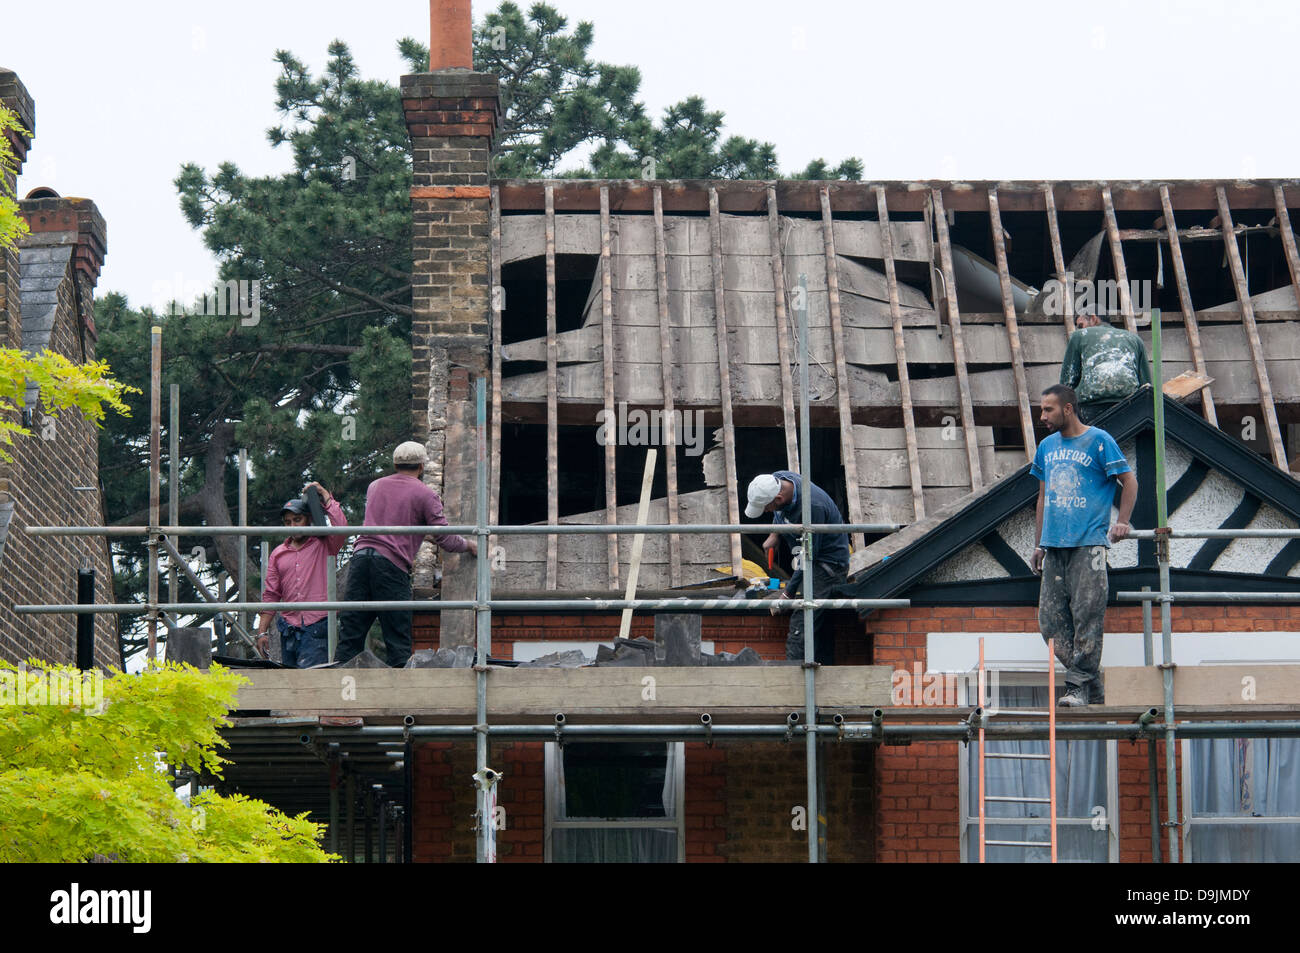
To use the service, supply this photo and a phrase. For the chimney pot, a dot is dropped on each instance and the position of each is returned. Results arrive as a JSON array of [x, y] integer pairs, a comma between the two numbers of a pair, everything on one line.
[[451, 35]]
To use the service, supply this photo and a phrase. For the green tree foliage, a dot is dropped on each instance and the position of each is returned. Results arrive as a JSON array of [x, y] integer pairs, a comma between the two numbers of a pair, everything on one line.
[[75, 783], [61, 385], [12, 225]]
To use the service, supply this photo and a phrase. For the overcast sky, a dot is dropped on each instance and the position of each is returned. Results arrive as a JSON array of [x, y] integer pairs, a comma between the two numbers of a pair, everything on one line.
[[126, 92]]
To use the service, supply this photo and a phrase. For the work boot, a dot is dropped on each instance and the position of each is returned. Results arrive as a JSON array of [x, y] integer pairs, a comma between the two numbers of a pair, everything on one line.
[[1096, 692], [1076, 697]]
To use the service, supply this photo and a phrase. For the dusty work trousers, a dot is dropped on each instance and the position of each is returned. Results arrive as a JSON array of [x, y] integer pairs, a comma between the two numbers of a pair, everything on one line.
[[374, 578], [1072, 612], [825, 577]]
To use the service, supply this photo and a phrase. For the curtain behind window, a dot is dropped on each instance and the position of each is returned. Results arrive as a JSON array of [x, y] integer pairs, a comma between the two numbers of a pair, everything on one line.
[[1080, 790], [611, 781], [1245, 778]]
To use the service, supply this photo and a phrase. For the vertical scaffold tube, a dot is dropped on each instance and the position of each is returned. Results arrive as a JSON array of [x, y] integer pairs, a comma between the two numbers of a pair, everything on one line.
[[1162, 557], [486, 849], [809, 636]]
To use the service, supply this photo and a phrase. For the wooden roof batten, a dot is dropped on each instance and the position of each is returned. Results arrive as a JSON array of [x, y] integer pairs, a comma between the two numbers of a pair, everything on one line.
[[750, 196]]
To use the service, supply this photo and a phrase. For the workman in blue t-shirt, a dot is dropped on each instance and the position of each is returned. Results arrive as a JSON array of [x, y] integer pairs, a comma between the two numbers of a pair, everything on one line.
[[1077, 467], [778, 493]]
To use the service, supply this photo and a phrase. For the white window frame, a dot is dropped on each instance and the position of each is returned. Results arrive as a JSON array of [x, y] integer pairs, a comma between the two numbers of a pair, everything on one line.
[[1018, 674], [676, 751], [1191, 819]]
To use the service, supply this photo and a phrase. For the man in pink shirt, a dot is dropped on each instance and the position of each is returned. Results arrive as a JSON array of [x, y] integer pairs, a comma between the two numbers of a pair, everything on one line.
[[298, 571], [380, 568]]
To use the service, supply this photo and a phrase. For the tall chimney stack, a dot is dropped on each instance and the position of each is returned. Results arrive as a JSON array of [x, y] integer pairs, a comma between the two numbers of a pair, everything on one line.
[[452, 115]]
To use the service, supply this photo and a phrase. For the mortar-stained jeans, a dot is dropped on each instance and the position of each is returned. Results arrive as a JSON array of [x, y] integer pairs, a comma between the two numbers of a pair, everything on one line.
[[1072, 611], [825, 578]]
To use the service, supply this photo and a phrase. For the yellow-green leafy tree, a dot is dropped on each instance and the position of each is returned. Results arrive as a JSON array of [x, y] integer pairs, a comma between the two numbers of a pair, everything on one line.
[[76, 782]]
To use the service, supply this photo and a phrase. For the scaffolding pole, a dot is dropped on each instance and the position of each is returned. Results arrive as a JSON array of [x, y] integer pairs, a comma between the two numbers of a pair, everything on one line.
[[155, 462], [1166, 618], [531, 529], [960, 729], [505, 605], [485, 778], [809, 633]]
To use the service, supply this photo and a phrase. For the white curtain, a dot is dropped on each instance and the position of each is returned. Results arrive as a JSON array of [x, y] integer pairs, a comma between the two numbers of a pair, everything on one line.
[[617, 845], [1080, 793], [1245, 778]]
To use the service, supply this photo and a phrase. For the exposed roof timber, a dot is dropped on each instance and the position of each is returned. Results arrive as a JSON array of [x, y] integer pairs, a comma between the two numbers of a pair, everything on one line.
[[750, 196]]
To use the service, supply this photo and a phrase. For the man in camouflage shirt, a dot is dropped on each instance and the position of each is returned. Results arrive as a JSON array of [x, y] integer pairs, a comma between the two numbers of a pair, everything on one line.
[[1103, 364]]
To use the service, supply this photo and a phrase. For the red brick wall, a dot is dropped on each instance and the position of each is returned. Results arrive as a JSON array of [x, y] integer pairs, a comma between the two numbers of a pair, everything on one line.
[[919, 814], [40, 482], [738, 796]]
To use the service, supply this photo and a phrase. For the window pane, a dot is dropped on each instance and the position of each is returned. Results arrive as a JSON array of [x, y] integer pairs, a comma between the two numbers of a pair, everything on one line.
[[1080, 769], [1245, 843], [1245, 778], [616, 780], [1074, 844], [572, 846]]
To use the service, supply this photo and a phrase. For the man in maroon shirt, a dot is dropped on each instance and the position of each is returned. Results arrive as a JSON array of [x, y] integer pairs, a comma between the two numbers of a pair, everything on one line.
[[380, 569], [298, 571]]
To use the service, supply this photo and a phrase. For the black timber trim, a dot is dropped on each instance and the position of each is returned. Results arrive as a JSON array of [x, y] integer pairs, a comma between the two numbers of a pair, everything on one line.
[[1239, 518], [909, 565], [1007, 558], [1023, 591], [1186, 485], [1285, 559]]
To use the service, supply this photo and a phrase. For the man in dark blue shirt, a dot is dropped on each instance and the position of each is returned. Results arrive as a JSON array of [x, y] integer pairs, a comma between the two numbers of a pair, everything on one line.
[[778, 493]]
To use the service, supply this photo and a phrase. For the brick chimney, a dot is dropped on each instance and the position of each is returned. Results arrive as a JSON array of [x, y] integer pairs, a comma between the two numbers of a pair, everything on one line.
[[452, 115], [55, 222]]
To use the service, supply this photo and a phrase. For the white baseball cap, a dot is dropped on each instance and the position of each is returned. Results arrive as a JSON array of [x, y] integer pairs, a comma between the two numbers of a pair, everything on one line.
[[763, 489], [410, 454]]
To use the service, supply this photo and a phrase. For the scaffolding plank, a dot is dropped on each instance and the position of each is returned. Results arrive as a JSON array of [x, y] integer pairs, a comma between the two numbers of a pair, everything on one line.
[[958, 344], [666, 368], [1013, 328], [1277, 687], [1117, 258], [607, 380], [852, 488], [523, 695], [1252, 332], [724, 375], [900, 357], [552, 397], [1058, 256], [1185, 302], [498, 302], [782, 330]]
